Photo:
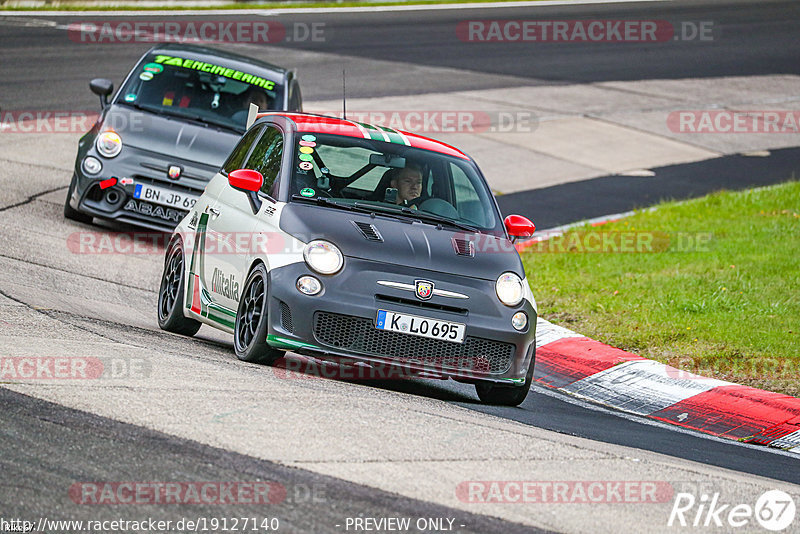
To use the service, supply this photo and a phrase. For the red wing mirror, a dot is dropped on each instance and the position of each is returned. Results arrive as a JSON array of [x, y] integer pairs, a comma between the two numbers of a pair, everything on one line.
[[250, 182], [245, 180], [519, 227]]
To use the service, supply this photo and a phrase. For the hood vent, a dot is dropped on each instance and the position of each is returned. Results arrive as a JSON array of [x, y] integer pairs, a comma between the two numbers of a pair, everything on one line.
[[369, 231], [464, 247]]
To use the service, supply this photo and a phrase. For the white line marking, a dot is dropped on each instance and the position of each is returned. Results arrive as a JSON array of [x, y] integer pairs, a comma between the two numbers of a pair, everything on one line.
[[642, 386], [359, 9]]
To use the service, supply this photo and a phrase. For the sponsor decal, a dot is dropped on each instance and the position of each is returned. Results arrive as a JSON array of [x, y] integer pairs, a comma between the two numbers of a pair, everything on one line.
[[125, 181], [225, 285], [193, 221], [146, 76], [215, 69], [145, 208], [309, 137], [270, 210], [130, 97], [306, 166], [306, 157], [308, 143], [307, 192], [423, 289], [155, 68], [306, 150]]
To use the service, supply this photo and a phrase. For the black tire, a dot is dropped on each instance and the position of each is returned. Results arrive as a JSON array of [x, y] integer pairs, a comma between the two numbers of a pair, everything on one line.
[[497, 394], [250, 329], [71, 213], [170, 294]]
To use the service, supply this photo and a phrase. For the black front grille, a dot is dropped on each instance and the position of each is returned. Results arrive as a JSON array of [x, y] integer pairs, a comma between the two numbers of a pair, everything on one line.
[[358, 335], [286, 317], [424, 304]]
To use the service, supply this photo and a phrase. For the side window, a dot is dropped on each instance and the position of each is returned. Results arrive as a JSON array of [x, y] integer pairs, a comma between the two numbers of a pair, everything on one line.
[[266, 158], [467, 200], [236, 159]]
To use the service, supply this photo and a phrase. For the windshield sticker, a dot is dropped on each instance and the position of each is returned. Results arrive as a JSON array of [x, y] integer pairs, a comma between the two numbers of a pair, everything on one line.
[[306, 165], [215, 69], [306, 157], [308, 143], [155, 68], [307, 192], [130, 97], [309, 138], [146, 76], [306, 150]]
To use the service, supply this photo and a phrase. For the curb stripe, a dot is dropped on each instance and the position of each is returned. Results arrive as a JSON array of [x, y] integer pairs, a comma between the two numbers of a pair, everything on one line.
[[594, 371]]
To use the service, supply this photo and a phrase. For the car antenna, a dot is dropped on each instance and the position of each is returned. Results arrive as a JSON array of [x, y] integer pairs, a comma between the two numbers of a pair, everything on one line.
[[344, 100]]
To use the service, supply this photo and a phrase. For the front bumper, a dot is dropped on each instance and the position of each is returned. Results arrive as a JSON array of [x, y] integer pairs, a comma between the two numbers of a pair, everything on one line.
[[143, 167], [339, 323]]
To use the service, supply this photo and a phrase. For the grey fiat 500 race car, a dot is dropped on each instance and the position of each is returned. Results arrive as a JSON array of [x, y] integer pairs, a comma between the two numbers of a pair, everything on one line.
[[168, 129], [346, 241]]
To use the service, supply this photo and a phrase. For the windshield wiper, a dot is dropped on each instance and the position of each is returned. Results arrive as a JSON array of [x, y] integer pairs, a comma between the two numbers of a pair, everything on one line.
[[422, 215], [183, 115], [361, 208]]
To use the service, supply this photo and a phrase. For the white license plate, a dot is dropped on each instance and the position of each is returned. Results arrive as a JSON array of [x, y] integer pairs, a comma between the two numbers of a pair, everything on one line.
[[165, 197], [420, 326]]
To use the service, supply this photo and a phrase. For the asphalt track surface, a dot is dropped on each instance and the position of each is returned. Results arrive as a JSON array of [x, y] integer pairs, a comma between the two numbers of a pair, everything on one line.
[[311, 502], [41, 70]]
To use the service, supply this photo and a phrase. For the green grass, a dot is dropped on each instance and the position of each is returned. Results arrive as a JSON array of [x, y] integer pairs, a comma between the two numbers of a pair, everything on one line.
[[730, 310], [130, 5]]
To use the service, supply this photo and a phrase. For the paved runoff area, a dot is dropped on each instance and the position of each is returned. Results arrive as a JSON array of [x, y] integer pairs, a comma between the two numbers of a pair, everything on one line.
[[136, 405]]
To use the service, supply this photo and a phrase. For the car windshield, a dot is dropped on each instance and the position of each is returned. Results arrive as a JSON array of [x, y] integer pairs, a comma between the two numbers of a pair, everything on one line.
[[396, 179], [206, 92]]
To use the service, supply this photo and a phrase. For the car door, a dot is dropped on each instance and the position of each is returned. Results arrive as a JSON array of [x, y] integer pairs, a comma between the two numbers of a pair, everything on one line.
[[223, 225], [231, 223]]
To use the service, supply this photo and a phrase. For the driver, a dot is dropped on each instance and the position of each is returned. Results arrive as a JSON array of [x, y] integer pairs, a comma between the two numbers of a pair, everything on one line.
[[408, 182]]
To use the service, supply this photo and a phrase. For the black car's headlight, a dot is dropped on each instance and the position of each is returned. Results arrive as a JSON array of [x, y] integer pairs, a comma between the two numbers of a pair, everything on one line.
[[109, 144], [323, 256], [509, 289]]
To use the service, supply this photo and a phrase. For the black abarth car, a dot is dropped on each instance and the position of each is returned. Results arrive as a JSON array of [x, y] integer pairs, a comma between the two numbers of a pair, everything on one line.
[[167, 131], [352, 242]]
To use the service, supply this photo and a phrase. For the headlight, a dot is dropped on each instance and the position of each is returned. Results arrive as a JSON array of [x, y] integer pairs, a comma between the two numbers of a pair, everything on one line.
[[92, 165], [323, 256], [509, 289], [109, 144], [519, 321], [308, 285]]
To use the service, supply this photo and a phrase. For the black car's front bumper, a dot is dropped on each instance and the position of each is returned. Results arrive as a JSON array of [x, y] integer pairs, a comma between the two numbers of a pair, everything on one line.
[[339, 323], [139, 167]]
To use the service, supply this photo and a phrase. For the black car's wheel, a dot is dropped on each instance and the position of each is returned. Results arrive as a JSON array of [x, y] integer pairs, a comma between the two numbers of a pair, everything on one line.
[[70, 212], [170, 295], [250, 330], [505, 395]]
